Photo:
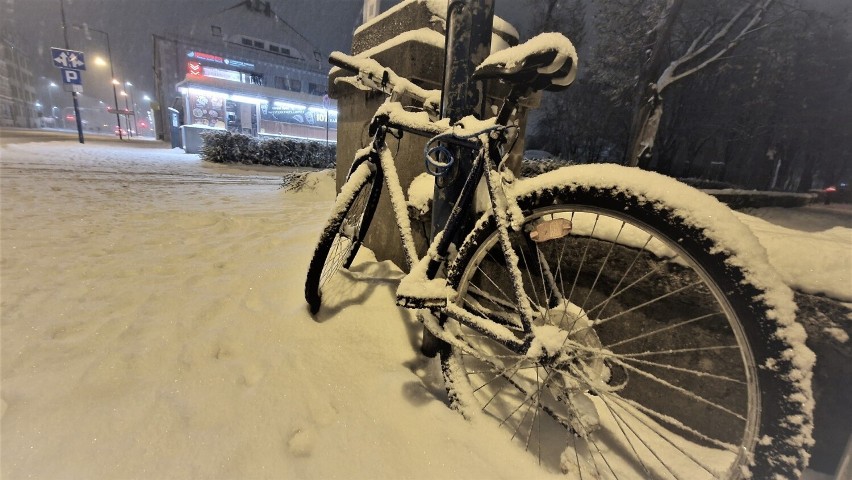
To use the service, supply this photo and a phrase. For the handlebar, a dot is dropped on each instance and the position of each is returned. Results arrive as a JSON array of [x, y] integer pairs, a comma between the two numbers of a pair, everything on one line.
[[372, 74], [341, 60]]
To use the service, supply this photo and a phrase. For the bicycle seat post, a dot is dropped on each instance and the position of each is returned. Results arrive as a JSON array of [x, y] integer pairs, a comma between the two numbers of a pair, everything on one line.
[[468, 42]]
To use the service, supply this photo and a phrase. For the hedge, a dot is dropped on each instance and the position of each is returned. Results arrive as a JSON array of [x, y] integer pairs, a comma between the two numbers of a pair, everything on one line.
[[222, 146]]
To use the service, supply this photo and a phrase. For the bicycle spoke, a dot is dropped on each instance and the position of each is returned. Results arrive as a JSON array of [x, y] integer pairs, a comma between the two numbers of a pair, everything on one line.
[[529, 275], [588, 437], [680, 390], [531, 402], [663, 329], [490, 280], [599, 322], [583, 259], [623, 276], [625, 289], [577, 457], [336, 258], [603, 266], [697, 373], [621, 424], [677, 351], [617, 399]]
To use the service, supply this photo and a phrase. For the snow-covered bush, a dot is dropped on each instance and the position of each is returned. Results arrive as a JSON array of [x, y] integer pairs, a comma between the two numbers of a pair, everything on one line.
[[705, 184], [228, 147]]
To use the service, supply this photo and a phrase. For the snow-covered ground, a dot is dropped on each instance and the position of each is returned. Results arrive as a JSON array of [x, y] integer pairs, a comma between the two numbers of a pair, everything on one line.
[[153, 326]]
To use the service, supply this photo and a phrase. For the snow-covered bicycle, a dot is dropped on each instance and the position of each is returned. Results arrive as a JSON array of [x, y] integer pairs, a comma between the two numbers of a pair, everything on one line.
[[616, 322]]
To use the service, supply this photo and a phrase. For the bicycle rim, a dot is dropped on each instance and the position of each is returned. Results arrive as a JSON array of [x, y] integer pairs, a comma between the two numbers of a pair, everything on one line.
[[656, 377], [343, 233], [343, 248]]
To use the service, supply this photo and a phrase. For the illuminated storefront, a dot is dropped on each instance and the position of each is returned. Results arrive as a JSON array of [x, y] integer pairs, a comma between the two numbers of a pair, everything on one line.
[[226, 93], [244, 70]]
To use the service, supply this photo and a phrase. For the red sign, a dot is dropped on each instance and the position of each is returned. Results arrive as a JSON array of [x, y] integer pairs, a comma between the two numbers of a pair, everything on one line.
[[207, 56], [193, 68]]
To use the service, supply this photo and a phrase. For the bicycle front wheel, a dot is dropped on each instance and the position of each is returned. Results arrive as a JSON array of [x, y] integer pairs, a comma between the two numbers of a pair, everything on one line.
[[344, 230], [660, 348]]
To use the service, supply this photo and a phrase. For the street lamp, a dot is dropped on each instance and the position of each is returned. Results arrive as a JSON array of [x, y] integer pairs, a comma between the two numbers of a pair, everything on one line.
[[50, 88], [149, 114], [86, 29]]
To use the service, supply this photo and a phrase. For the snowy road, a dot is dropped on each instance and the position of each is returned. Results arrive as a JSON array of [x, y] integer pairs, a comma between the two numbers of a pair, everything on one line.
[[153, 326]]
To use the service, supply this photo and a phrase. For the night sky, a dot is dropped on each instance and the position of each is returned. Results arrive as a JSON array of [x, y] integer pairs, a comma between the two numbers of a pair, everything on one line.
[[35, 26]]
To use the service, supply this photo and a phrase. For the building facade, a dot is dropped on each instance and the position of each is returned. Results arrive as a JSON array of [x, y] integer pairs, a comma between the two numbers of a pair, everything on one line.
[[246, 70], [17, 88]]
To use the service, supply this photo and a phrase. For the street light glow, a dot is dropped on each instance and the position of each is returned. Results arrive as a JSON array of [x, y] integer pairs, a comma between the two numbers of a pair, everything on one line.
[[115, 82], [128, 84], [100, 61]]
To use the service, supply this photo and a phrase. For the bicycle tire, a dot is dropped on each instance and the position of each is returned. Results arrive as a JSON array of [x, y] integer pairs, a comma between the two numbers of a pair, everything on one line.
[[659, 392], [344, 231]]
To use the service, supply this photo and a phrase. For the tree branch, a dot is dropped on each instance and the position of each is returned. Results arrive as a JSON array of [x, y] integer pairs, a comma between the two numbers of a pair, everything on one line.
[[669, 76]]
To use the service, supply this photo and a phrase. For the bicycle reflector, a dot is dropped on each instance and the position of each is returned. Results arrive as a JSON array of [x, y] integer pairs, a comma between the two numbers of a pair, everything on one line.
[[438, 161]]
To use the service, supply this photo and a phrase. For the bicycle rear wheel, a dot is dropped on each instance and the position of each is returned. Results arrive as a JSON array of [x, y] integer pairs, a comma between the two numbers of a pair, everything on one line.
[[344, 230], [660, 352]]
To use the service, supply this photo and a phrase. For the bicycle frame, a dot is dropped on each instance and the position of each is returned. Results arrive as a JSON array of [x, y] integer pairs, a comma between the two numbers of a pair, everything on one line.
[[428, 267]]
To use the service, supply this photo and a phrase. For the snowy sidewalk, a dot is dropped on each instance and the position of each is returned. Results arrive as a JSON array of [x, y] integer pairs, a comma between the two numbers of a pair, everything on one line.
[[153, 326]]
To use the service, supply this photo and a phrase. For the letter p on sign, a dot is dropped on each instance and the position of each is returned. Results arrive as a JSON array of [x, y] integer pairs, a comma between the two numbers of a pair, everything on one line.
[[71, 76]]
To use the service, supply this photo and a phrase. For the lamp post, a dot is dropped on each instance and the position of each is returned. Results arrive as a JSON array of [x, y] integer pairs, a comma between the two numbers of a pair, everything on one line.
[[73, 93], [86, 29], [150, 116], [126, 115], [50, 88], [133, 110]]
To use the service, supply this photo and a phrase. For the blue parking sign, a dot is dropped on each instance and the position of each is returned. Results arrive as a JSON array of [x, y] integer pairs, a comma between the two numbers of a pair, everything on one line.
[[70, 76]]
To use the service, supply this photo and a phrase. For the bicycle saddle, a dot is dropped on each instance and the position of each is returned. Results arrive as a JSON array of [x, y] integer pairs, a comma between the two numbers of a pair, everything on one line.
[[545, 62]]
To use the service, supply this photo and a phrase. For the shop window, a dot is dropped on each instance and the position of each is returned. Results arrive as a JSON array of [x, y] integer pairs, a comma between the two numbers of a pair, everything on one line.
[[274, 48], [281, 83], [295, 85], [247, 41], [256, 78], [216, 30], [259, 44]]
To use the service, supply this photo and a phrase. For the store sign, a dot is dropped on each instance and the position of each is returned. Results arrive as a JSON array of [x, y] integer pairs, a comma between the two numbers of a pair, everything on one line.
[[193, 68], [238, 63], [296, 114], [217, 59], [196, 69], [205, 56], [231, 75]]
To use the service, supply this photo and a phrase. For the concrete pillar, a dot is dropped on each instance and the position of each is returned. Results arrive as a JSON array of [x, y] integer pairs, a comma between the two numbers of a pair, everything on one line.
[[409, 39]]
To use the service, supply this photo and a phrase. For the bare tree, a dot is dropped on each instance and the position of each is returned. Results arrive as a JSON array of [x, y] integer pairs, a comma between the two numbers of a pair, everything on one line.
[[712, 44]]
